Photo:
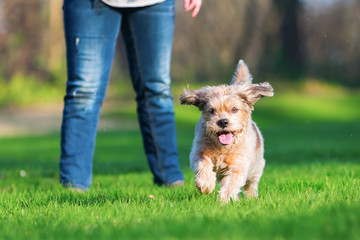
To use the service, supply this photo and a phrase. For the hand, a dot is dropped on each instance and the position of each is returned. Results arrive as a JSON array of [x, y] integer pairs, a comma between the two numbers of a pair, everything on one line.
[[192, 5]]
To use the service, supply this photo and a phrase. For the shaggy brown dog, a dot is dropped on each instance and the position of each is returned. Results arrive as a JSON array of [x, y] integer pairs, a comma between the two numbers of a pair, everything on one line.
[[228, 145]]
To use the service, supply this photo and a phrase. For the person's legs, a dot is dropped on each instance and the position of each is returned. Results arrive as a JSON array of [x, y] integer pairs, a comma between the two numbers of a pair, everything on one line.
[[148, 34], [91, 29]]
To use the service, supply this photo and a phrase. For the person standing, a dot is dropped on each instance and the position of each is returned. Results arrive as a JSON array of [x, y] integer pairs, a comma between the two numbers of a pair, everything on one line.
[[91, 28]]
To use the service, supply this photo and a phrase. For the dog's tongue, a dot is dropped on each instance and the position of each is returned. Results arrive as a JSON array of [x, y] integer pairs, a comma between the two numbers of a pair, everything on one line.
[[226, 138]]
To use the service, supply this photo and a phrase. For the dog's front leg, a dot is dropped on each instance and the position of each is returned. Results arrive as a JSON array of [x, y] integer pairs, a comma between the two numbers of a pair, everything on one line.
[[205, 177], [233, 180]]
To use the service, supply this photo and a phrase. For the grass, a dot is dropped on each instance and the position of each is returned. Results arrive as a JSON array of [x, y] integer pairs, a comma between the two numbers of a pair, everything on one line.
[[310, 188]]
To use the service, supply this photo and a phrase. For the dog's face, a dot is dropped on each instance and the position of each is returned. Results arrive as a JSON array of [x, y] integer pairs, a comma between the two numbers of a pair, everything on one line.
[[226, 109], [225, 114]]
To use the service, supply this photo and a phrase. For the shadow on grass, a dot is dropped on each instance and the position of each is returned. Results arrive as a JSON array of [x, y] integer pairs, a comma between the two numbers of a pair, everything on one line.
[[287, 141]]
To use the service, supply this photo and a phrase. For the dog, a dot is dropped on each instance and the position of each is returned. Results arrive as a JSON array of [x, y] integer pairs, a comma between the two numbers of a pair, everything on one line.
[[228, 146]]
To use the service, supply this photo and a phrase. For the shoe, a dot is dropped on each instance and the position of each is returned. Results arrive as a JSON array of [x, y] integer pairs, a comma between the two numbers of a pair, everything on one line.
[[178, 183], [75, 187], [76, 190]]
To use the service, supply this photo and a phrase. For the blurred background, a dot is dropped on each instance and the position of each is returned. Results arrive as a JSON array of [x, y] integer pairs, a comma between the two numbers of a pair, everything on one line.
[[286, 42], [309, 50]]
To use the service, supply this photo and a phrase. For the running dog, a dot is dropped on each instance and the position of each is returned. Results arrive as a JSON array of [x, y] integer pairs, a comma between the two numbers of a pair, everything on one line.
[[228, 146]]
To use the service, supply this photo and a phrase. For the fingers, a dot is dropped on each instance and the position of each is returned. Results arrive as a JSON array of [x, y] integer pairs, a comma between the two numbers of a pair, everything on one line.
[[193, 5], [186, 4], [196, 8]]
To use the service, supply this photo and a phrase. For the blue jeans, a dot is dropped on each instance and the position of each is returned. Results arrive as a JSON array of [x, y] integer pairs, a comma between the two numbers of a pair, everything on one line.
[[91, 29]]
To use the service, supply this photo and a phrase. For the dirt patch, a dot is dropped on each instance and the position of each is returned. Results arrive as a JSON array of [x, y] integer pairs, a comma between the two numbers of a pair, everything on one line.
[[47, 119]]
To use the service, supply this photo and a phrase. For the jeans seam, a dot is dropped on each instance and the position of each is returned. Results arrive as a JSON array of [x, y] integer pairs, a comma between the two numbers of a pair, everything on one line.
[[158, 155]]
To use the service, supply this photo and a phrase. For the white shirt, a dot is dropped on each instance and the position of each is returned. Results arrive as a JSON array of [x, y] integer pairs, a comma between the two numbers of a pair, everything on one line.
[[131, 3]]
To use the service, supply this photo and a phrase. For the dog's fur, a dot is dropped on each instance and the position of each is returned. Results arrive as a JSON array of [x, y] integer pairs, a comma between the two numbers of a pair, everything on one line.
[[228, 145]]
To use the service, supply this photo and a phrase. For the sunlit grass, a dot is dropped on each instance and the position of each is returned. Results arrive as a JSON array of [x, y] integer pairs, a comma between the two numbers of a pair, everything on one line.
[[314, 108], [309, 190]]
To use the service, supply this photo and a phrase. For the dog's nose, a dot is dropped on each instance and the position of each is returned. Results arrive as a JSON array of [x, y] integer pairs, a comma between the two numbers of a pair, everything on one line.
[[223, 123]]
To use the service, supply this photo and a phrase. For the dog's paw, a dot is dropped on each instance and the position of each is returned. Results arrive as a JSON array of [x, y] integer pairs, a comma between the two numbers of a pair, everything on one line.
[[225, 195], [205, 187], [227, 198], [251, 193], [205, 180]]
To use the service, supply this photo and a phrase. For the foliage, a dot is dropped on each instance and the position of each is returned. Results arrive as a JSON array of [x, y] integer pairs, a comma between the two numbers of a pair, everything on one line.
[[28, 90], [310, 188], [287, 39]]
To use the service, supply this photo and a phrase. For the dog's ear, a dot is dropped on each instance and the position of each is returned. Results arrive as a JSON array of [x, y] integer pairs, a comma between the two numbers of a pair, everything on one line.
[[256, 91], [196, 97], [241, 75]]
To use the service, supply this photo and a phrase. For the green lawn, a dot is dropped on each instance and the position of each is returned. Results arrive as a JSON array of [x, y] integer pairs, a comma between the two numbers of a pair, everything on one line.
[[310, 188]]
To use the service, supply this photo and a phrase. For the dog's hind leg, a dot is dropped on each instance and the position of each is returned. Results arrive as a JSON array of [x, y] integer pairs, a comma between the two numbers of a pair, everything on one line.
[[251, 186], [230, 185]]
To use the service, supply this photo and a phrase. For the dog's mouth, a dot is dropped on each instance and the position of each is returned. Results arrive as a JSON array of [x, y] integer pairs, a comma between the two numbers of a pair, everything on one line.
[[225, 137]]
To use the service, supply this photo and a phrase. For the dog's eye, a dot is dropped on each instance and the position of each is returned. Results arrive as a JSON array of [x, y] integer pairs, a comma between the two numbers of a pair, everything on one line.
[[234, 110], [211, 110]]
